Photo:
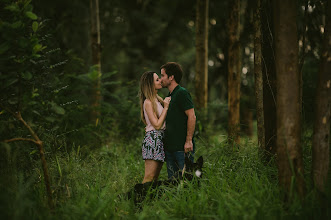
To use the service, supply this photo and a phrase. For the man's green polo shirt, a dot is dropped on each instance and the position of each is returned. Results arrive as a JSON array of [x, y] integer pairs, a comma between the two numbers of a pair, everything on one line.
[[176, 120]]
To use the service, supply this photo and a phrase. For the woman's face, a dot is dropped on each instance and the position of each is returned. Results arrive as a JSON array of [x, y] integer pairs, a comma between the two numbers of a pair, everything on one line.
[[157, 82]]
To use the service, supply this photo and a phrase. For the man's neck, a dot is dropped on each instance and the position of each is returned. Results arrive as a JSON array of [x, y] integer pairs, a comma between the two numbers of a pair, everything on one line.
[[172, 86]]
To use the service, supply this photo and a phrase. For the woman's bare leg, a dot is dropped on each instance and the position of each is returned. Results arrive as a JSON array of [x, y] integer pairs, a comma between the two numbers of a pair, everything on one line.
[[159, 167], [152, 170]]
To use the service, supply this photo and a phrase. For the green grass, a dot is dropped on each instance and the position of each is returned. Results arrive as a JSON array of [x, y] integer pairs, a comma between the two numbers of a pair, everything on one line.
[[91, 185]]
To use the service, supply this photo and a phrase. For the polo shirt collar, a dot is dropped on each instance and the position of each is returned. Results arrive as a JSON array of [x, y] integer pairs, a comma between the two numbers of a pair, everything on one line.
[[173, 91]]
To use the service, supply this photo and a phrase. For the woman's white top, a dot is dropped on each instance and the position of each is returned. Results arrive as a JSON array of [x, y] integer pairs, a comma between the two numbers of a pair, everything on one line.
[[159, 108]]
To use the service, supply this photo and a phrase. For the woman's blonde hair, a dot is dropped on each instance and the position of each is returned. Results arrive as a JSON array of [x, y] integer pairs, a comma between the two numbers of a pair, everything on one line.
[[147, 91]]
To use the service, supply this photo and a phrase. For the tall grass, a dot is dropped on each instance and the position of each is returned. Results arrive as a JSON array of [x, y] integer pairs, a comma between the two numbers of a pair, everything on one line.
[[92, 185]]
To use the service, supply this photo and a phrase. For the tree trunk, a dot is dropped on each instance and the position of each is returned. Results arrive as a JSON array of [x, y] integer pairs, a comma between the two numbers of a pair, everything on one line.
[[302, 54], [321, 136], [258, 76], [289, 152], [234, 74], [96, 59], [201, 44], [269, 79]]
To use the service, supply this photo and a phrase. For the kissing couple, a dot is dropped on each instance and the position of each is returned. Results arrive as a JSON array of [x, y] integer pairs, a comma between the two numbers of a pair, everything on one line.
[[170, 122]]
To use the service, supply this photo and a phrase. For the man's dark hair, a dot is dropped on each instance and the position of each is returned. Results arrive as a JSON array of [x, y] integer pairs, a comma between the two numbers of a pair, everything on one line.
[[173, 69]]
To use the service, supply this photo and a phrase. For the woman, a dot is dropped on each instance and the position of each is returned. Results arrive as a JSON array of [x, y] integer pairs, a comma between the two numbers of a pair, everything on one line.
[[153, 115]]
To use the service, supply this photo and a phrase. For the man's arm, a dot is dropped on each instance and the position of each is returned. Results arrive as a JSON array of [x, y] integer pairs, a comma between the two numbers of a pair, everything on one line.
[[190, 129]]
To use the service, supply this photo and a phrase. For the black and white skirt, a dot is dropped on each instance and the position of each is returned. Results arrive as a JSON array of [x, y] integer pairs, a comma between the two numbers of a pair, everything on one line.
[[152, 146]]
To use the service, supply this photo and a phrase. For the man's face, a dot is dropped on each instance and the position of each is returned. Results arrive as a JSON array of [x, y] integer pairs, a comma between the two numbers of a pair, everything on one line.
[[165, 81]]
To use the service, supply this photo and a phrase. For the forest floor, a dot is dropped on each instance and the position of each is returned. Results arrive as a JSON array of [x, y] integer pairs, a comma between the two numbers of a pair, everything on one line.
[[236, 184]]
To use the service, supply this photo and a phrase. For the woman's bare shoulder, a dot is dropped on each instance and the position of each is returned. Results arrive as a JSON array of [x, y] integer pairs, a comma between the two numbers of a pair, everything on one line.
[[147, 102]]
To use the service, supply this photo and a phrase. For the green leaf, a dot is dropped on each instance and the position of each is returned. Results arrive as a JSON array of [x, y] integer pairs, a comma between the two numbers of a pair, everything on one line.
[[33, 152], [37, 113], [108, 75], [50, 119], [16, 24], [26, 75], [34, 93], [31, 15], [37, 48], [35, 26], [55, 128], [94, 75], [58, 166], [57, 109], [13, 7]]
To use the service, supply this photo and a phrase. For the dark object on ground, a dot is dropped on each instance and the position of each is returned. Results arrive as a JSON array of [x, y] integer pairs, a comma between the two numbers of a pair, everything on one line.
[[191, 172]]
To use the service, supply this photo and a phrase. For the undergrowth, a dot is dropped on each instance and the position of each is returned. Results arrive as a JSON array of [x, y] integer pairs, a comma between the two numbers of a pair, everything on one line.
[[236, 184]]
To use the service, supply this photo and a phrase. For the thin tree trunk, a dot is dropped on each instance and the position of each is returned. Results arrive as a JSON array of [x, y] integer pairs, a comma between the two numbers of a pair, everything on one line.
[[269, 78], [303, 55], [201, 44], [234, 74], [96, 59], [321, 136], [289, 152], [258, 76]]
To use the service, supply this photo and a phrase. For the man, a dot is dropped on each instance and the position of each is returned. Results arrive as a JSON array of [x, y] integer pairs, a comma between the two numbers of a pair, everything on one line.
[[180, 120]]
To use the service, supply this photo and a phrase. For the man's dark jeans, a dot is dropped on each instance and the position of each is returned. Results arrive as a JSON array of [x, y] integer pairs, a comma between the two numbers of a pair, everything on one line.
[[175, 162]]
